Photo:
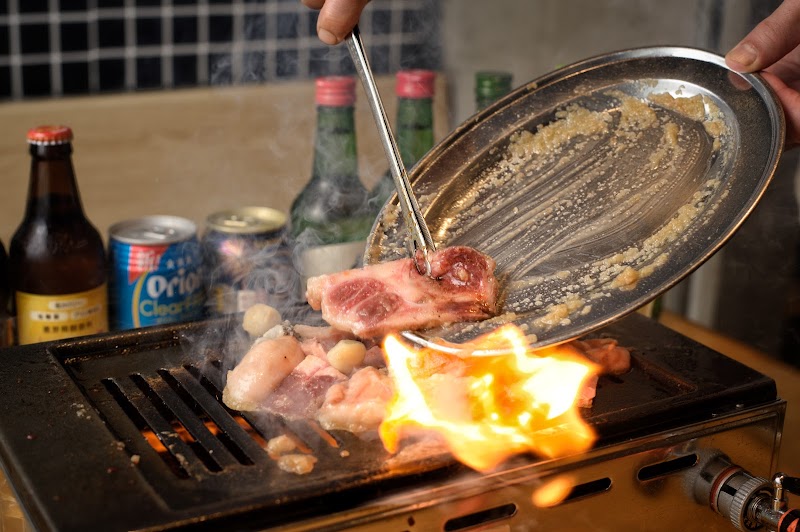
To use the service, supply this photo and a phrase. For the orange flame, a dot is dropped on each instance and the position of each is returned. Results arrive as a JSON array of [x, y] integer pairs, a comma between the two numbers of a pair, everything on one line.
[[489, 407]]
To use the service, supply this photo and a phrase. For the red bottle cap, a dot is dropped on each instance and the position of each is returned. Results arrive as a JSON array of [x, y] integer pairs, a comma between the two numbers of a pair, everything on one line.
[[336, 91], [45, 135], [416, 84]]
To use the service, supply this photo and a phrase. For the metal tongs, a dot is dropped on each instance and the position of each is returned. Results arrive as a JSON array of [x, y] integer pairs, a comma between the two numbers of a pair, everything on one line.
[[414, 221]]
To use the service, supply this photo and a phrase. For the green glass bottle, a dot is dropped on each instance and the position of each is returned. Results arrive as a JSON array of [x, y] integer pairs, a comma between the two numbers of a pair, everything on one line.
[[413, 129], [490, 86], [329, 221]]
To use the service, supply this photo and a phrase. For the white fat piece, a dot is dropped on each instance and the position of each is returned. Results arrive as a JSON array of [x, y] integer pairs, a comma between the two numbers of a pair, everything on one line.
[[260, 319]]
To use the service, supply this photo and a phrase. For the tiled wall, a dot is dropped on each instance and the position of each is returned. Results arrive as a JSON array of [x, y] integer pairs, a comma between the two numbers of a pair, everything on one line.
[[66, 47]]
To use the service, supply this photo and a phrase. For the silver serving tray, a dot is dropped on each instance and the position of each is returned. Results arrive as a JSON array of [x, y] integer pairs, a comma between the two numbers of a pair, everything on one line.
[[602, 223]]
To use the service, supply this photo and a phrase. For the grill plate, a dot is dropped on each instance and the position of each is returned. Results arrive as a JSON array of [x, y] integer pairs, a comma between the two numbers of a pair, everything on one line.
[[77, 412]]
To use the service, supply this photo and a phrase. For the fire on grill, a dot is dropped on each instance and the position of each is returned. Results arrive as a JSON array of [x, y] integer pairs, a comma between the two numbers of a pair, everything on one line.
[[492, 398], [486, 407], [144, 441]]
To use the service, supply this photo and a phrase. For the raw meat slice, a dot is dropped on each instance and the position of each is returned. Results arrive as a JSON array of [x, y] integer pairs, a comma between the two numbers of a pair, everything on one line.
[[392, 296]]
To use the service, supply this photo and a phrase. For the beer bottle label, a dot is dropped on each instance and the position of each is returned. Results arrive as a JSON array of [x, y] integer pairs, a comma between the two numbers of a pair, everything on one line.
[[44, 318], [319, 260]]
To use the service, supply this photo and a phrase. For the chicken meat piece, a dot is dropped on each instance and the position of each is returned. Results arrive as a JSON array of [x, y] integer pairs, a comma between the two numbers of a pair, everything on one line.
[[302, 392], [378, 299], [357, 404], [261, 371]]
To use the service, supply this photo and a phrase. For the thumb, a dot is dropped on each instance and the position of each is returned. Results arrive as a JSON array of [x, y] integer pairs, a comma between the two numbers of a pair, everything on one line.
[[773, 38], [337, 18], [790, 100]]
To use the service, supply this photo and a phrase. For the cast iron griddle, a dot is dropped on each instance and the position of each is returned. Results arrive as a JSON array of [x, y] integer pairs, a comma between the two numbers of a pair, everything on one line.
[[603, 214], [74, 415]]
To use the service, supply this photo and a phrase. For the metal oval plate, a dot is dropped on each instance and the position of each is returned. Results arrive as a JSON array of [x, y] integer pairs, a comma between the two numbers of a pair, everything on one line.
[[598, 208]]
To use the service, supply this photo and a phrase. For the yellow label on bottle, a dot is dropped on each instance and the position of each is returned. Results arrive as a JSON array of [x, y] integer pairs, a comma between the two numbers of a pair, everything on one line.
[[44, 318]]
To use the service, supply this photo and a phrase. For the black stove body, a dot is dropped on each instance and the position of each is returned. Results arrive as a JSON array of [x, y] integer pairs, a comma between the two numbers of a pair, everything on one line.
[[127, 431]]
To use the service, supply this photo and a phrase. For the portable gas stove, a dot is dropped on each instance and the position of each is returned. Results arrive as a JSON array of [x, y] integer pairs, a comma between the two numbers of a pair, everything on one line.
[[127, 431]]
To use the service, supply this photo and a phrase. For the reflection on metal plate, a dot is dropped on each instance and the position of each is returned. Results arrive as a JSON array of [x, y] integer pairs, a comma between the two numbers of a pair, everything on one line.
[[596, 187]]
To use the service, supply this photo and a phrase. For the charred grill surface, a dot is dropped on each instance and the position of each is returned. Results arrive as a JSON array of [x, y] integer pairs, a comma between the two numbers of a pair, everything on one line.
[[128, 431]]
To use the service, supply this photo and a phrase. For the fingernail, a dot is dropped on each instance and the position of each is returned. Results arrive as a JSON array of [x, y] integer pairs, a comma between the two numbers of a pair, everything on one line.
[[327, 37], [743, 55]]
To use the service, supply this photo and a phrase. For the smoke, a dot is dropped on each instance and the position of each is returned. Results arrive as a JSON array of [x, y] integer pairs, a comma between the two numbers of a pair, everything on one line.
[[221, 69], [281, 44]]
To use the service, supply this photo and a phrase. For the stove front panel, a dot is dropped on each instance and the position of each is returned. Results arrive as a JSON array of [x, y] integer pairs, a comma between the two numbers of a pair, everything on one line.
[[643, 484]]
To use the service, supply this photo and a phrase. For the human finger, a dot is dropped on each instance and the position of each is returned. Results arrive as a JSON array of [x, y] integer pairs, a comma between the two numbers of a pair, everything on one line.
[[788, 69], [769, 41], [337, 18], [790, 100], [313, 4]]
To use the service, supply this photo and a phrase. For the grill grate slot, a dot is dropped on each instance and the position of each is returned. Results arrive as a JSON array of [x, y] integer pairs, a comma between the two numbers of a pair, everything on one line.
[[149, 434], [175, 436], [236, 438], [253, 432], [209, 378]]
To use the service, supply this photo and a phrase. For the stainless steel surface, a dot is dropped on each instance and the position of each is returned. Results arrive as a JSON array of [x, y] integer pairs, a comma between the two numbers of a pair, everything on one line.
[[750, 437], [611, 477], [749, 502], [414, 221], [597, 225]]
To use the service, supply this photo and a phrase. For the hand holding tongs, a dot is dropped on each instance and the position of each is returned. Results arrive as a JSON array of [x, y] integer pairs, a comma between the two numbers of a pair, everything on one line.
[[415, 223]]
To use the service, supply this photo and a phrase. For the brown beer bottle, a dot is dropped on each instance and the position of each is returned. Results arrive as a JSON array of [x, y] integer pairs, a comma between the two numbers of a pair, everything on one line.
[[6, 330], [56, 257]]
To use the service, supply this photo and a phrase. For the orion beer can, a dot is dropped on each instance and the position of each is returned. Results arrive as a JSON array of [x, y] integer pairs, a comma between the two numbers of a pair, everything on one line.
[[156, 272], [247, 259]]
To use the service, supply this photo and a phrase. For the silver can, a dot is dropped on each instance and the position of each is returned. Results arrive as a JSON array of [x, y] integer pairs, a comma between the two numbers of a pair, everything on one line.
[[247, 259]]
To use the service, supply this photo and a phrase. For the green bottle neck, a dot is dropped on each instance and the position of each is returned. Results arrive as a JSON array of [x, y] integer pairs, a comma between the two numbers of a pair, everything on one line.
[[414, 129], [335, 146], [490, 87]]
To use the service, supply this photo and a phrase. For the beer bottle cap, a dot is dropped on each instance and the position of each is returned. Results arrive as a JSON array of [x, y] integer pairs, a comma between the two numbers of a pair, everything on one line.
[[47, 135], [336, 91], [415, 84]]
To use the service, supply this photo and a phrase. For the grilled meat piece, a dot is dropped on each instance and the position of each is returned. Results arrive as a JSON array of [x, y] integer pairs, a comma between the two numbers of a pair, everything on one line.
[[378, 299], [606, 353]]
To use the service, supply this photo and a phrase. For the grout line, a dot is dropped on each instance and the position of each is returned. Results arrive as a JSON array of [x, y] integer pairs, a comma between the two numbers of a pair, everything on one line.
[[202, 46], [237, 42], [54, 32], [93, 40], [15, 55], [130, 45], [167, 49]]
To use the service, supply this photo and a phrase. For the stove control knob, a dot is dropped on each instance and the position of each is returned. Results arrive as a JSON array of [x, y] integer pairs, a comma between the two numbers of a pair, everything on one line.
[[748, 495]]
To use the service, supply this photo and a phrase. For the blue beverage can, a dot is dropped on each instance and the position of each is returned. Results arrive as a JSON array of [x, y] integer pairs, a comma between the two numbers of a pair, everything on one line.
[[156, 274]]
